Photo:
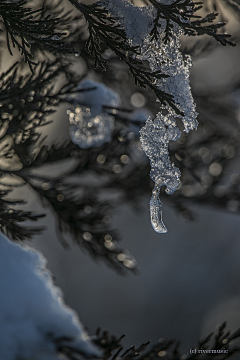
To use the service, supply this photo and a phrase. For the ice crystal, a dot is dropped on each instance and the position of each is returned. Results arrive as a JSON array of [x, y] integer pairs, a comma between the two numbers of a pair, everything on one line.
[[164, 57], [87, 131], [156, 211], [90, 125]]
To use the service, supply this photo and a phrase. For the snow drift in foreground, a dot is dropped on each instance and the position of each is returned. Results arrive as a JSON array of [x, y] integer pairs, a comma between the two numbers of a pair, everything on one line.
[[32, 311]]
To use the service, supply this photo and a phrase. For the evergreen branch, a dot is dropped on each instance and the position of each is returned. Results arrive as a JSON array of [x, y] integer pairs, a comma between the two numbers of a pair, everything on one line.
[[105, 29], [223, 348], [181, 12], [11, 218], [25, 27], [87, 228], [27, 100]]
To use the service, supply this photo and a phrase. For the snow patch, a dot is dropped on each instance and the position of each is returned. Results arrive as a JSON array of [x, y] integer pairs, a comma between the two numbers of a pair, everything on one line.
[[32, 311]]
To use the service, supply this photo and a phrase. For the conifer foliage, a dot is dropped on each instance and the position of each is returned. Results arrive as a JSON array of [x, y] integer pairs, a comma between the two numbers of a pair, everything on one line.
[[47, 38], [27, 102]]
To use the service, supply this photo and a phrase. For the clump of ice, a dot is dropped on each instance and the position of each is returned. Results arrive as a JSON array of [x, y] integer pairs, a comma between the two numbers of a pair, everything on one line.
[[32, 311], [88, 131], [156, 134], [156, 211], [90, 125]]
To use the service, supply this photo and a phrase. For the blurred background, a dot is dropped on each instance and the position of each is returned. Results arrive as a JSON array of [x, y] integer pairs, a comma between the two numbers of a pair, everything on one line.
[[189, 278]]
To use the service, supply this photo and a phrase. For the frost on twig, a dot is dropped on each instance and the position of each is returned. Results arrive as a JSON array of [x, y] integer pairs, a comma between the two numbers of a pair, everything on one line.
[[162, 57]]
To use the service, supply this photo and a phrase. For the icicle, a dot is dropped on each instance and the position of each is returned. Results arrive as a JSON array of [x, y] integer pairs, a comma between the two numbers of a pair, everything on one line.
[[156, 211], [166, 58]]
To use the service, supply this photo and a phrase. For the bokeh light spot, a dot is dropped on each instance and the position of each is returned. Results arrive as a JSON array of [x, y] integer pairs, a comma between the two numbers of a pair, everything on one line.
[[138, 100], [215, 169], [60, 197], [101, 159], [87, 236]]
